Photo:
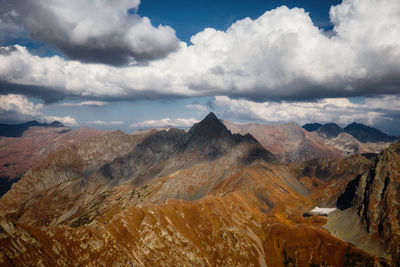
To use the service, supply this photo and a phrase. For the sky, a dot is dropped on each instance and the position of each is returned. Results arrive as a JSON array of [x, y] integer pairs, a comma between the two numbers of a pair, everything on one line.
[[131, 64]]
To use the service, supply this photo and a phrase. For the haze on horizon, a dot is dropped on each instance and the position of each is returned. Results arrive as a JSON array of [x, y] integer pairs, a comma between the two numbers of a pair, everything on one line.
[[132, 64]]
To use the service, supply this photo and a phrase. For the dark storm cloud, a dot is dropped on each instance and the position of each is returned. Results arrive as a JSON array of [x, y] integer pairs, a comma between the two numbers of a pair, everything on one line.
[[12, 117], [48, 95], [93, 31]]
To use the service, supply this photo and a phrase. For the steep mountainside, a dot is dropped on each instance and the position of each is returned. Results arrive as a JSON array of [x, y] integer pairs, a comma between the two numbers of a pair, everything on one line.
[[202, 197], [288, 142], [375, 195], [17, 155]]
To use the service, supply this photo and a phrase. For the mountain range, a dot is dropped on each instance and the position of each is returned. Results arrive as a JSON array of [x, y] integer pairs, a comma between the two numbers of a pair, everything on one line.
[[219, 194], [361, 132]]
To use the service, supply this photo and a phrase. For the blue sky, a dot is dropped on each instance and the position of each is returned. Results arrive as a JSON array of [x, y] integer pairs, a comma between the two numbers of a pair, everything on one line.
[[132, 64], [191, 17]]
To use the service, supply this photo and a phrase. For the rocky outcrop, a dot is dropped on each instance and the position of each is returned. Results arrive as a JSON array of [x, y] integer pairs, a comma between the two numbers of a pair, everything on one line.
[[375, 194]]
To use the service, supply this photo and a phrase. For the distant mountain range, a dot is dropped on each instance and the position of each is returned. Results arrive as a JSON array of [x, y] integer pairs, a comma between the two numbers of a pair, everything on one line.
[[16, 130], [289, 142], [361, 132]]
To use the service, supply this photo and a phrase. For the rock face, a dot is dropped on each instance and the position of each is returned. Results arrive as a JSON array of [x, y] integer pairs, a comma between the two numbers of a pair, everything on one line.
[[17, 155], [288, 142], [205, 197], [375, 194]]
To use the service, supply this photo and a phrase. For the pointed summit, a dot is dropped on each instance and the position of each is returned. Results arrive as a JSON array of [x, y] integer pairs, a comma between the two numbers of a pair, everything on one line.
[[211, 138], [210, 126]]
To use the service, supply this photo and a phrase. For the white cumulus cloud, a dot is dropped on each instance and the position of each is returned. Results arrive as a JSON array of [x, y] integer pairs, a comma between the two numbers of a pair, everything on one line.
[[18, 108], [281, 55]]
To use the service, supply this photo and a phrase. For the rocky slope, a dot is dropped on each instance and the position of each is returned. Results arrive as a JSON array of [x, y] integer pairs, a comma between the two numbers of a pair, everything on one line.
[[17, 155], [202, 197], [288, 142], [375, 195]]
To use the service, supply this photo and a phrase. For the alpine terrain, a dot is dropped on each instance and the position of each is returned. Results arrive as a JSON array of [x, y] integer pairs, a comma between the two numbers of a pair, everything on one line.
[[218, 194]]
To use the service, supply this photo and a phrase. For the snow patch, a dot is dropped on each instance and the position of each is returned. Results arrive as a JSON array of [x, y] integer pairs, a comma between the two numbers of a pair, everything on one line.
[[323, 210]]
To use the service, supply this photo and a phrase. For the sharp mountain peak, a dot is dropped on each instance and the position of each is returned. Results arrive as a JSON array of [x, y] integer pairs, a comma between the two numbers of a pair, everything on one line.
[[209, 125]]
